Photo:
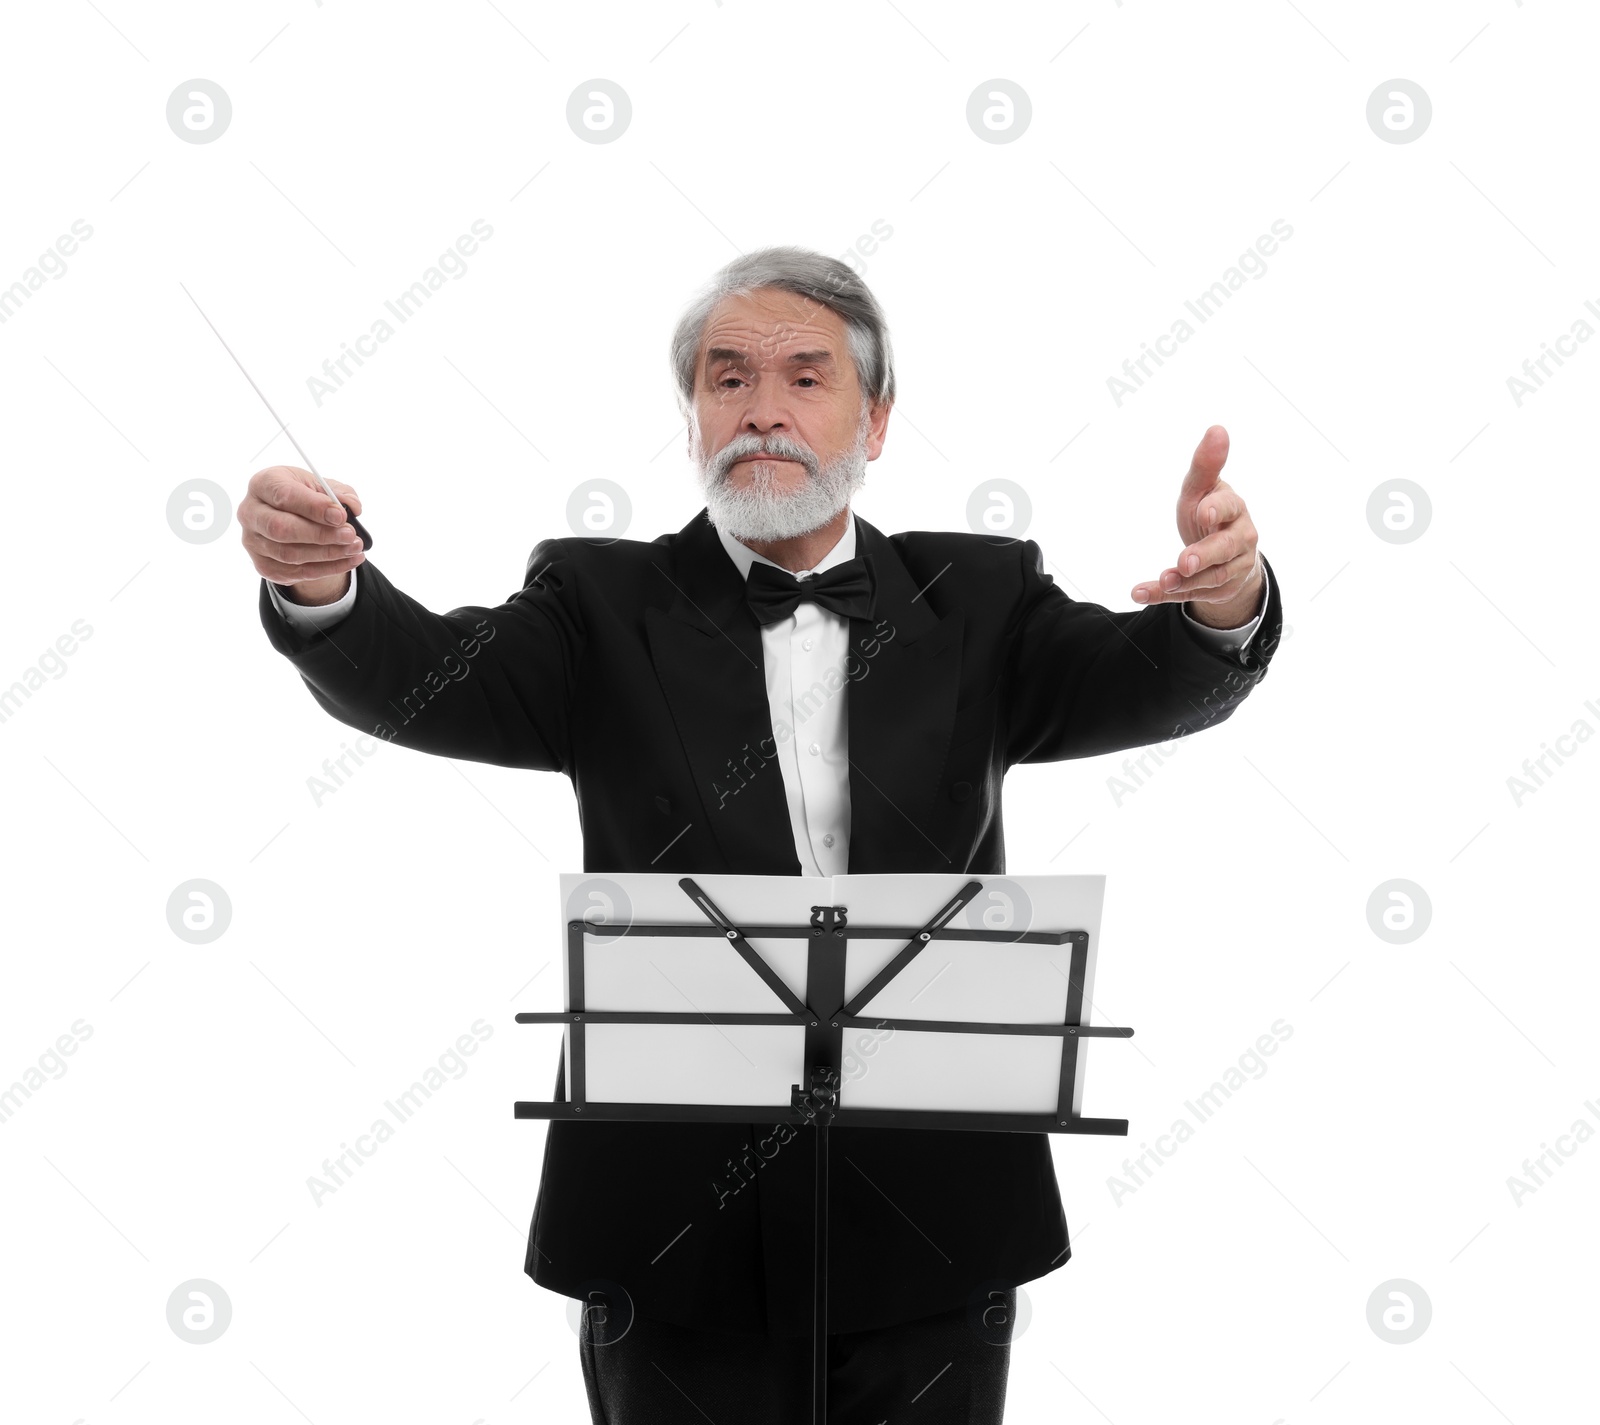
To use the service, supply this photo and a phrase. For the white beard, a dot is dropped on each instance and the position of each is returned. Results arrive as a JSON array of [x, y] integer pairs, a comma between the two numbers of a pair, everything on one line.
[[760, 511]]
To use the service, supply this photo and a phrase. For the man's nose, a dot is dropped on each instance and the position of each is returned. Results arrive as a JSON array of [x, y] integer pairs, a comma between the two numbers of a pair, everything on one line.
[[760, 425], [764, 414]]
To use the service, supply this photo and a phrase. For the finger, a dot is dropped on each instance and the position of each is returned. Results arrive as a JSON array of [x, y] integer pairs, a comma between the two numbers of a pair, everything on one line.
[[1205, 469], [1151, 592], [299, 553], [1238, 571], [278, 526], [283, 507], [1218, 548], [1218, 507], [285, 487], [347, 494], [278, 572], [1212, 582], [1172, 587], [1218, 582]]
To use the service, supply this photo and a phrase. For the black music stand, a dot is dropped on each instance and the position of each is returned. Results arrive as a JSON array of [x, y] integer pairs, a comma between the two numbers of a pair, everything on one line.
[[825, 1015]]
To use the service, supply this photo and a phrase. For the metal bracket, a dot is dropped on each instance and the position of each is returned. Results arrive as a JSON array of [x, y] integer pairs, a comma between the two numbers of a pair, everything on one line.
[[825, 917], [819, 1101]]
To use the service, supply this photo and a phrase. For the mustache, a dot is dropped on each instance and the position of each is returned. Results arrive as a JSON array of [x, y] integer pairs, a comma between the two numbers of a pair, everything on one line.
[[743, 446]]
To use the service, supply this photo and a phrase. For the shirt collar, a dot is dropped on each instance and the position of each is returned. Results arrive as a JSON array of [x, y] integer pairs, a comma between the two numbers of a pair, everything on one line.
[[743, 556]]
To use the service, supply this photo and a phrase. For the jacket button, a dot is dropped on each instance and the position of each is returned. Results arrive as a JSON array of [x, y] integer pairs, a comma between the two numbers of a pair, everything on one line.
[[961, 791], [663, 804]]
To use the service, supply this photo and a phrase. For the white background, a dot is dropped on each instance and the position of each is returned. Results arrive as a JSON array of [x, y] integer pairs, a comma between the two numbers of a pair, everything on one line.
[[372, 929]]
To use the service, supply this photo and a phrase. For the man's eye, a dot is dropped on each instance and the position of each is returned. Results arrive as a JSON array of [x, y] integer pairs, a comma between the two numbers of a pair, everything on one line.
[[811, 379], [723, 381]]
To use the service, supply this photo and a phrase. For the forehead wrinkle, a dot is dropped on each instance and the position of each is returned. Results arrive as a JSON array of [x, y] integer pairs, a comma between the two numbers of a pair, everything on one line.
[[738, 340], [738, 318], [809, 331], [795, 358]]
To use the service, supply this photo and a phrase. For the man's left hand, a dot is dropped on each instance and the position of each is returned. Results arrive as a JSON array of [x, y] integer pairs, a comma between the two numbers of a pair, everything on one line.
[[1218, 573]]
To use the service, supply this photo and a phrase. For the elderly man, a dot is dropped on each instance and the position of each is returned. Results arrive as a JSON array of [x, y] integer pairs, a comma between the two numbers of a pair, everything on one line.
[[674, 683]]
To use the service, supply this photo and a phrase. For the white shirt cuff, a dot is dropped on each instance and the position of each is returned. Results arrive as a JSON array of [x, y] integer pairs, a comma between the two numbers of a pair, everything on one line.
[[313, 618], [1231, 640]]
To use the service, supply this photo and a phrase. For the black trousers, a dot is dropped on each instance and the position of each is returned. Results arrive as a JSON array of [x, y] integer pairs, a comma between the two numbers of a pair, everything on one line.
[[948, 1369]]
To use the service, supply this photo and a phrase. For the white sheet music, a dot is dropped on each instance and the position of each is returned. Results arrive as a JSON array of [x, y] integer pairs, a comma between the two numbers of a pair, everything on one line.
[[964, 981]]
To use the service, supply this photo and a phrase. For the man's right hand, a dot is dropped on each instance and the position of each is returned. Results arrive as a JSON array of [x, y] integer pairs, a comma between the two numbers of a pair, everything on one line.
[[297, 537]]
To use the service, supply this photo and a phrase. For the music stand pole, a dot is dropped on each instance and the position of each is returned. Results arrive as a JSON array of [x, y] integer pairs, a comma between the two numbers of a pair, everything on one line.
[[819, 1277]]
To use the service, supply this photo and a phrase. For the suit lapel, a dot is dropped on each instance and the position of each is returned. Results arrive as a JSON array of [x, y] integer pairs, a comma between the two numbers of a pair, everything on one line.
[[904, 674], [707, 652]]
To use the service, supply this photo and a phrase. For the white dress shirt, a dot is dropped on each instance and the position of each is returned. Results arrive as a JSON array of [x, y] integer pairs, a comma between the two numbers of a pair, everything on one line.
[[805, 657]]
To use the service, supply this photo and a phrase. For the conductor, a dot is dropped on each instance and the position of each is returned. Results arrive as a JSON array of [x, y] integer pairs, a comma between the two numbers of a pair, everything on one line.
[[781, 688]]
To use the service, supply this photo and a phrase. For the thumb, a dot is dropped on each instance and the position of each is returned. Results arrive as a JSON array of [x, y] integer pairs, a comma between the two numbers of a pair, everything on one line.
[[1205, 469], [346, 495]]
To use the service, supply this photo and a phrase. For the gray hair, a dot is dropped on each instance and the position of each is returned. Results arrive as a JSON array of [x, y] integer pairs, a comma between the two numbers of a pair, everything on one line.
[[824, 280]]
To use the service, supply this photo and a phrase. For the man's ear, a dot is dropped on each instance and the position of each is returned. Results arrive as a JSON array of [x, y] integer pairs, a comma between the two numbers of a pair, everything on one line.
[[877, 427]]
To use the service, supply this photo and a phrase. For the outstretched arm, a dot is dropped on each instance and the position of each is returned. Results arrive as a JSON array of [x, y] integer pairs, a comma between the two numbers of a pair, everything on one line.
[[479, 683], [1085, 680]]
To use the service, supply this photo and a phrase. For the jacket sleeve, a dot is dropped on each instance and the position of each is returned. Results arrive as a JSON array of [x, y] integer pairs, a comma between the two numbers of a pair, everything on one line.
[[1084, 680], [478, 683]]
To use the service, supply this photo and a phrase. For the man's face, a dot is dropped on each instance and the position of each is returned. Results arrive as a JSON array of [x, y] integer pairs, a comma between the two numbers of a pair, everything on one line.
[[778, 404]]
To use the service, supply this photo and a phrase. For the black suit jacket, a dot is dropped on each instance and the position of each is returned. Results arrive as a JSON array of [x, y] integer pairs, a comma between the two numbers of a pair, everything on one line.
[[636, 669]]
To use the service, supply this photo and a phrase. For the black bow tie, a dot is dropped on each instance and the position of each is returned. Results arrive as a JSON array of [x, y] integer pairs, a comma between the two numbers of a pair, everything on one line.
[[847, 589]]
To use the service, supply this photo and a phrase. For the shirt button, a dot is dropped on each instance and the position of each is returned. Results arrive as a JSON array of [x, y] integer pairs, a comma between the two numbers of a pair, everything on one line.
[[815, 749], [806, 644], [828, 839]]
